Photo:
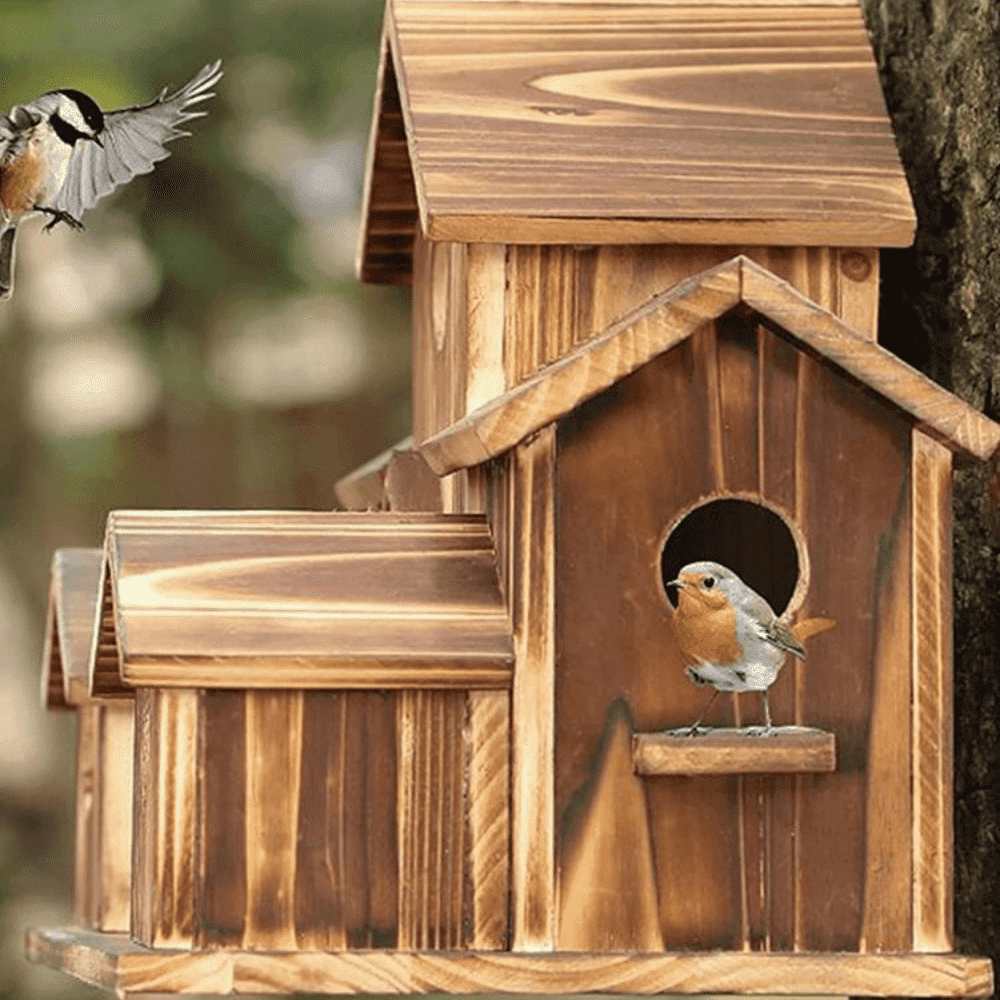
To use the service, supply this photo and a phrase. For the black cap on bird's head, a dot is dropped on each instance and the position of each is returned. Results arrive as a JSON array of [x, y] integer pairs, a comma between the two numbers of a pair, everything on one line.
[[78, 116]]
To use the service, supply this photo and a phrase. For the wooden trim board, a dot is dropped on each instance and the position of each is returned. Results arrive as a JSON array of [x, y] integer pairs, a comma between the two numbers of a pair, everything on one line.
[[113, 962]]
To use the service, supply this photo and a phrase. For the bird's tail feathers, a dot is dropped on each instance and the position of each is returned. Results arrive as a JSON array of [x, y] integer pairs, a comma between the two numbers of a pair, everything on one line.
[[809, 627], [7, 262]]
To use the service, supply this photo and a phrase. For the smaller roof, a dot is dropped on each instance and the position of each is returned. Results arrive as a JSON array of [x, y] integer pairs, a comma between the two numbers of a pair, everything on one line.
[[291, 599], [397, 479], [74, 591], [669, 318], [629, 121]]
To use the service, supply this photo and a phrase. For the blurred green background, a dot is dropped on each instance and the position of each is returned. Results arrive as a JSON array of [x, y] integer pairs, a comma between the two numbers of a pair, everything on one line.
[[203, 344]]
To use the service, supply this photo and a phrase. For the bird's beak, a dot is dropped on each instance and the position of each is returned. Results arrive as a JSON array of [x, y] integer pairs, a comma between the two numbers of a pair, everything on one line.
[[94, 138], [676, 583]]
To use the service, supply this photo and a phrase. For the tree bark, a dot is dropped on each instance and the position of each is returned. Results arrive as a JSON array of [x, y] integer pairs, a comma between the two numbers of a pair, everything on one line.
[[940, 67]]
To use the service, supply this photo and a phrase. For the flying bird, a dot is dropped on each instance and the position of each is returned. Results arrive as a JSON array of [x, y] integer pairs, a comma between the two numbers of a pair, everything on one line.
[[60, 154], [730, 636]]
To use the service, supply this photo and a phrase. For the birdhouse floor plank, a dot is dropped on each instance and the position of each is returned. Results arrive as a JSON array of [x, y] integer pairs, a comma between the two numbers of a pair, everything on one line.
[[113, 962], [788, 750]]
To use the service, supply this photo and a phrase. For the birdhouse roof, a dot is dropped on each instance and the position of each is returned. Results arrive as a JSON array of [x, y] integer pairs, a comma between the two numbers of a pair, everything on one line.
[[74, 592], [251, 599], [670, 317], [628, 122]]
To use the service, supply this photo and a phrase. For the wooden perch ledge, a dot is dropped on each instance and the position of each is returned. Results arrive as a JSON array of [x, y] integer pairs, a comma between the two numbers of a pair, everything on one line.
[[790, 750]]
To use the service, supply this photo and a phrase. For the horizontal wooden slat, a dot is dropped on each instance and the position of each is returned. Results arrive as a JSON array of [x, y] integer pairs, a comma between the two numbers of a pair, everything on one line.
[[73, 597], [307, 600], [730, 751], [664, 322], [111, 961]]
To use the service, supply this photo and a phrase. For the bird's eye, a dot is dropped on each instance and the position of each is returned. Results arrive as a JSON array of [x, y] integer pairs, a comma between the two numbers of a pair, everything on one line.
[[709, 582]]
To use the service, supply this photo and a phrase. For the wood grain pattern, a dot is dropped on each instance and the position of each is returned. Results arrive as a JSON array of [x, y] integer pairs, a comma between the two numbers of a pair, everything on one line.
[[487, 293], [722, 751], [592, 131], [933, 866], [532, 600], [304, 600], [585, 371], [488, 795], [390, 205], [431, 819], [113, 799], [74, 589], [113, 962], [86, 841], [163, 851], [669, 318]]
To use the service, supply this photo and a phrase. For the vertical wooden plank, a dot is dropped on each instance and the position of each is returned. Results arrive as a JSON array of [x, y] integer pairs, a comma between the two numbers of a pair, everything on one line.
[[164, 845], [887, 908], [488, 738], [533, 612], [86, 843], [737, 361], [321, 871], [222, 871], [857, 303], [425, 420], [486, 269], [115, 810], [932, 721], [273, 735], [431, 820]]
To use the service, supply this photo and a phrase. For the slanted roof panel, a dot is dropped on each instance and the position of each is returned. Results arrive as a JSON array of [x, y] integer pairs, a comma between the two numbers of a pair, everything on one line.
[[535, 122], [74, 592], [307, 600]]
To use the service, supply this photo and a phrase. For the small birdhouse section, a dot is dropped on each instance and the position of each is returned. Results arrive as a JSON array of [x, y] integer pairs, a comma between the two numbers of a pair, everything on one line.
[[396, 751]]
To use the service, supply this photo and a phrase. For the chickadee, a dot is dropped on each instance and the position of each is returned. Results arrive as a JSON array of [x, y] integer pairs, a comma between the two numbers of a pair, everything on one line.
[[61, 154]]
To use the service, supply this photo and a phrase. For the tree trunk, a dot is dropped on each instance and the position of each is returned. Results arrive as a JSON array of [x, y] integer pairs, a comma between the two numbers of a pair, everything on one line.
[[940, 67]]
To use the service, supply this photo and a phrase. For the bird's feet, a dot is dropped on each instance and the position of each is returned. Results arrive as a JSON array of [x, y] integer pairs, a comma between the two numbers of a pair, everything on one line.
[[60, 216], [757, 731]]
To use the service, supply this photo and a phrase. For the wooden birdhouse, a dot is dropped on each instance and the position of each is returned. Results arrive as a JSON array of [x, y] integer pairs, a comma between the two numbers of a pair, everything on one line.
[[419, 747]]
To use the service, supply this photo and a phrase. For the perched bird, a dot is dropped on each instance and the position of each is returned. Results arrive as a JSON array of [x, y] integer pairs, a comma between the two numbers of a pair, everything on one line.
[[730, 636], [60, 154]]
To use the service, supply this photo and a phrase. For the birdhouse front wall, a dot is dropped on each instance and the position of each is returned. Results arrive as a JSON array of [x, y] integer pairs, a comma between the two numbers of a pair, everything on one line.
[[811, 862]]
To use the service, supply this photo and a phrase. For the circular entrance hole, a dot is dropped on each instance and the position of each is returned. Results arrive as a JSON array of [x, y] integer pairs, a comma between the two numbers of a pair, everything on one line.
[[751, 539]]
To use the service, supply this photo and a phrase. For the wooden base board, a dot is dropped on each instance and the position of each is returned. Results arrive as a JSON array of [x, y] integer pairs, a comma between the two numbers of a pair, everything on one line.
[[788, 750], [113, 962]]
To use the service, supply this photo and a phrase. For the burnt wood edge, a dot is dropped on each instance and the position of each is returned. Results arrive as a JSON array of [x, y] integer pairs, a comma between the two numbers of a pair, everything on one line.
[[797, 750], [113, 962]]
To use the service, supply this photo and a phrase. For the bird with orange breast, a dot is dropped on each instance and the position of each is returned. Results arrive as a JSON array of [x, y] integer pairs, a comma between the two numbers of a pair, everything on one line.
[[730, 636]]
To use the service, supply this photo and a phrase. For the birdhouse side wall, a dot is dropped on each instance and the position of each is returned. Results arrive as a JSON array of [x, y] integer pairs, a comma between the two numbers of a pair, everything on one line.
[[310, 820], [488, 316], [815, 862]]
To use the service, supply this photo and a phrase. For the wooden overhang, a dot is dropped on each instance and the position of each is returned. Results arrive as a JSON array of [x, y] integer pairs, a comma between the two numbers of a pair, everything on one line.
[[667, 319], [397, 479], [268, 599], [628, 121], [71, 620]]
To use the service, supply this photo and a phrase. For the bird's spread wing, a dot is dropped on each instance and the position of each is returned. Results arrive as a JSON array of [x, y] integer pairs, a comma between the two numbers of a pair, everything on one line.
[[779, 635], [133, 140]]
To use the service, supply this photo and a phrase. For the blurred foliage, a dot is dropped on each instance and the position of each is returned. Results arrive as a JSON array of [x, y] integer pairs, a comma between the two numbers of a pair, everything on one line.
[[228, 237]]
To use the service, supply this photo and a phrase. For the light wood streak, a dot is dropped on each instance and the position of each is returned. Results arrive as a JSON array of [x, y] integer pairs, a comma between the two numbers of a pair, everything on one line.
[[273, 767], [486, 268], [114, 786], [113, 962], [586, 370], [809, 751], [576, 113], [431, 820], [533, 610], [164, 853], [488, 737], [932, 698], [295, 600]]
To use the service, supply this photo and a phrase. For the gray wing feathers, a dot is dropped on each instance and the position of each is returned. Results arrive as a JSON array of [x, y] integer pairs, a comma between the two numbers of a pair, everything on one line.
[[134, 140]]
